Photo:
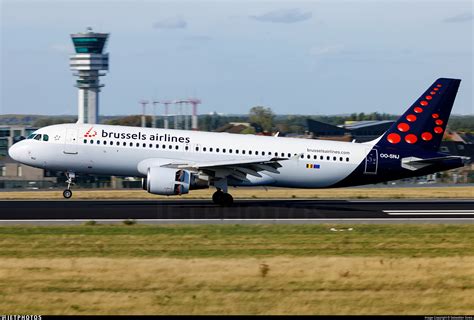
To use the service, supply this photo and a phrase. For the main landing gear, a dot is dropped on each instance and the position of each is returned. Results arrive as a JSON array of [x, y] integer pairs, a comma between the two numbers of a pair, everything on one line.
[[222, 198], [70, 180]]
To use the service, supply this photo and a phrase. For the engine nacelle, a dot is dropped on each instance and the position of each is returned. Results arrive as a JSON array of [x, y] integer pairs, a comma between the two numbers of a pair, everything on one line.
[[167, 181]]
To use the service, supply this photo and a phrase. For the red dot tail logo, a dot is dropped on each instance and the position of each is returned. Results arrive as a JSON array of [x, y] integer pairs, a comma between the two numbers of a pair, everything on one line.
[[90, 133]]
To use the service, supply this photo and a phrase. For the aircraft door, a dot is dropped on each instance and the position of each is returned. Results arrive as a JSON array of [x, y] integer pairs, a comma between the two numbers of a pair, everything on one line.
[[70, 145], [371, 162]]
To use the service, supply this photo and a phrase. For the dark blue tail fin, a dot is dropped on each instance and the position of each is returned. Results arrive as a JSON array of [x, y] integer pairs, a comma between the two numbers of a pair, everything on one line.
[[423, 124]]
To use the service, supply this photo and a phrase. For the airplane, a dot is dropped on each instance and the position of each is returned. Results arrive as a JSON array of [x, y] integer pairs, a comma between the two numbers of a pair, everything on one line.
[[174, 162]]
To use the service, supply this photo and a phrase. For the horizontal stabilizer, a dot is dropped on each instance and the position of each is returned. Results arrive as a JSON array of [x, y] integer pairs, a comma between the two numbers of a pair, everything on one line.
[[414, 163]]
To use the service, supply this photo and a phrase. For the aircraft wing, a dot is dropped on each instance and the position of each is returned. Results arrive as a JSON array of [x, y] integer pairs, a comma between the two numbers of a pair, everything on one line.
[[237, 169], [234, 168]]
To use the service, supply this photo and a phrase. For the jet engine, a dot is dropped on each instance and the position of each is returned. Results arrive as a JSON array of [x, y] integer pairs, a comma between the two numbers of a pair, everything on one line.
[[167, 181]]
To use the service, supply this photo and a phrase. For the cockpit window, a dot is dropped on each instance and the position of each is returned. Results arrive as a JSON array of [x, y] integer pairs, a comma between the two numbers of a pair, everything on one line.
[[38, 137], [45, 137], [31, 136]]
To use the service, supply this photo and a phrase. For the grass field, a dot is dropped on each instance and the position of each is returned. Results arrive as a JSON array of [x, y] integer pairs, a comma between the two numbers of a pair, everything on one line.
[[260, 193], [240, 269]]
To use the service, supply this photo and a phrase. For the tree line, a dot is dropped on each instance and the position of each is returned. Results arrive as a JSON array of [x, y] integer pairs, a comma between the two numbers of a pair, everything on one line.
[[261, 118]]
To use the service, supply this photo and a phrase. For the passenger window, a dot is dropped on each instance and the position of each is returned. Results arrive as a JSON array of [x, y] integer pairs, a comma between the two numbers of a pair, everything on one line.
[[256, 153], [302, 157], [210, 149], [186, 148], [98, 142], [111, 143], [131, 144], [45, 137], [92, 141], [117, 143], [85, 140], [328, 158], [176, 147], [289, 155], [315, 157], [347, 159], [124, 144], [197, 148], [263, 153], [250, 152], [243, 151], [150, 145], [164, 146], [204, 149], [223, 150], [340, 159], [157, 146], [170, 147], [144, 145], [321, 157], [217, 149], [308, 156], [237, 151], [137, 145], [230, 150], [334, 158]]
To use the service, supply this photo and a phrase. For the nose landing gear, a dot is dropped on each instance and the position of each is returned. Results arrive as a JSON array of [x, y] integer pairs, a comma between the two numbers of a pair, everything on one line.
[[67, 193], [70, 181]]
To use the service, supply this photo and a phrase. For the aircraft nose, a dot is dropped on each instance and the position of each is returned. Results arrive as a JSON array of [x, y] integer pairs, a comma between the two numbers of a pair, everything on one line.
[[17, 151]]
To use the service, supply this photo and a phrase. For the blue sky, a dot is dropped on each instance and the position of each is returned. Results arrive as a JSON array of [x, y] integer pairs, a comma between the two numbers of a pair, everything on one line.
[[314, 57]]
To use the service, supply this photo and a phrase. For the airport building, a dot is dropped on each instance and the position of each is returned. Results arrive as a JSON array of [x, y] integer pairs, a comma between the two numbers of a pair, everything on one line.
[[88, 64]]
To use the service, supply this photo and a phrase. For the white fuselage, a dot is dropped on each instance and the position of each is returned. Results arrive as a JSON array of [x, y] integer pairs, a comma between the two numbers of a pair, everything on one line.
[[123, 151]]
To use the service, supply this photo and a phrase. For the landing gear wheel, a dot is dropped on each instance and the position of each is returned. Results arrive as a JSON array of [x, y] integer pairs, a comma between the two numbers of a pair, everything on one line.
[[217, 197], [67, 193], [222, 198], [70, 181], [227, 200]]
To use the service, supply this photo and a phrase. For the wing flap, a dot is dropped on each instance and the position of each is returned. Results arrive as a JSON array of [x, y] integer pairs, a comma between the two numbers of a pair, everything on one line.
[[237, 162]]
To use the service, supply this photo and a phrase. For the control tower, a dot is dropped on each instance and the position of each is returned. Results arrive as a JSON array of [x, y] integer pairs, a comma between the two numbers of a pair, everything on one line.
[[88, 62]]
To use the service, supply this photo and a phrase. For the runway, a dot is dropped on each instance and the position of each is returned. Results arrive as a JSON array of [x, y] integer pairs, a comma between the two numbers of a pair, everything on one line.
[[243, 211]]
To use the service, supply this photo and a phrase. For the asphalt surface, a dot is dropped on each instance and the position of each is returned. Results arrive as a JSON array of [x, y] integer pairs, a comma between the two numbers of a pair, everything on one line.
[[243, 211]]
